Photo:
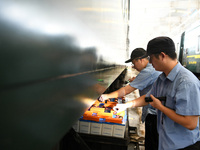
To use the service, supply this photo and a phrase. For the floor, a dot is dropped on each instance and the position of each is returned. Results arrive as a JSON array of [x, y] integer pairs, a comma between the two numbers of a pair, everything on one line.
[[132, 146]]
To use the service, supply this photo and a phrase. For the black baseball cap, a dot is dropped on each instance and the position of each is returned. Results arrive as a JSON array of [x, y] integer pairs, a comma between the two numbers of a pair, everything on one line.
[[136, 53], [160, 44]]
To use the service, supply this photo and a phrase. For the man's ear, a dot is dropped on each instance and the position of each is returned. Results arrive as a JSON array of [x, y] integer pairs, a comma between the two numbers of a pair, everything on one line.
[[163, 55]]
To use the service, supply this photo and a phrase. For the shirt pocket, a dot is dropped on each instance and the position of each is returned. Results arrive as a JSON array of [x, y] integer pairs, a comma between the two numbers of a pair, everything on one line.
[[170, 101]]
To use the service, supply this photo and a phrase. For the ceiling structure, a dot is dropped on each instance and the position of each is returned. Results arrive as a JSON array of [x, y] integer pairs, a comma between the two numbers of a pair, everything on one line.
[[151, 18]]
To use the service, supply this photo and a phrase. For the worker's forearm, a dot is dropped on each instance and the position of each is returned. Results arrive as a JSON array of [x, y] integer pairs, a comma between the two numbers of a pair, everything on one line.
[[139, 102], [119, 93]]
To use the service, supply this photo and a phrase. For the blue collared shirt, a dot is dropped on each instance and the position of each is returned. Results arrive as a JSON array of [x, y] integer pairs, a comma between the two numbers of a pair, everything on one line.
[[182, 91], [144, 81]]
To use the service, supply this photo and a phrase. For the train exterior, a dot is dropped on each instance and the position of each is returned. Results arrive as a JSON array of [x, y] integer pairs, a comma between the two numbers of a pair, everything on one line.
[[56, 58], [189, 54]]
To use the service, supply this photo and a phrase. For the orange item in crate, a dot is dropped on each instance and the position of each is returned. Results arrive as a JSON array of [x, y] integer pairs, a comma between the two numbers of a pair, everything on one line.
[[92, 118], [96, 103], [111, 103], [96, 109], [114, 120], [105, 115], [86, 113]]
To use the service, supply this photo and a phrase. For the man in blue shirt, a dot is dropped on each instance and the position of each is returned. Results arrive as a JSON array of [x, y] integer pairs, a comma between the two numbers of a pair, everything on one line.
[[143, 82], [178, 116]]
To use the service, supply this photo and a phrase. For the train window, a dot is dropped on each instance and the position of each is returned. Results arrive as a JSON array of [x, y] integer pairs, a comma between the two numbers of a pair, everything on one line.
[[191, 41]]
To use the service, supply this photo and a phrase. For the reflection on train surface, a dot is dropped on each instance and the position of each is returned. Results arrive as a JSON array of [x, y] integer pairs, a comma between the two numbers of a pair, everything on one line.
[[56, 58]]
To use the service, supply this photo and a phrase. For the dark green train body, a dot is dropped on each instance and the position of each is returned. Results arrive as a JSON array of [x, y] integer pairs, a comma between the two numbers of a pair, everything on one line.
[[189, 54]]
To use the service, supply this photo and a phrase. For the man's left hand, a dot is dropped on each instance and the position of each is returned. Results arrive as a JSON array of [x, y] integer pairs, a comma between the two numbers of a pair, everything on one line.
[[156, 102]]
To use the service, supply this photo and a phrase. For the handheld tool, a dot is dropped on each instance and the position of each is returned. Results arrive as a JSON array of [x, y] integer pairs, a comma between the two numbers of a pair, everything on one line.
[[148, 99]]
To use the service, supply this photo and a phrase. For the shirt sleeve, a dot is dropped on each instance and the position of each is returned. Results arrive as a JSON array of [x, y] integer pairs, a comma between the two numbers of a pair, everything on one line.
[[188, 99], [144, 79], [152, 90]]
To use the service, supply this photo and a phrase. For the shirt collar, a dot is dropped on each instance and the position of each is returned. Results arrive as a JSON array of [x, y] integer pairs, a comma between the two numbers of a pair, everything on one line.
[[173, 73], [148, 65]]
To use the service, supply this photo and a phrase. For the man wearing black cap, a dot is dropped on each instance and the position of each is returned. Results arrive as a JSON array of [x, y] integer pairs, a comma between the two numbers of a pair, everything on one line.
[[178, 114], [143, 82]]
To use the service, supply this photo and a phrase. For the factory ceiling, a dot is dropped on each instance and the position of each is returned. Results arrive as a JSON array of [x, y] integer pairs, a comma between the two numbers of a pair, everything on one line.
[[151, 18]]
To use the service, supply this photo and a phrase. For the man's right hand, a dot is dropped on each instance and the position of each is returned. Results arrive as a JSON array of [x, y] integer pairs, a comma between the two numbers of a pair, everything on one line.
[[120, 107], [103, 97]]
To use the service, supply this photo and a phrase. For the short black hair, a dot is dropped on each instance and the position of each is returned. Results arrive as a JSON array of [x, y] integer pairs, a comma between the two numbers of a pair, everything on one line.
[[172, 55]]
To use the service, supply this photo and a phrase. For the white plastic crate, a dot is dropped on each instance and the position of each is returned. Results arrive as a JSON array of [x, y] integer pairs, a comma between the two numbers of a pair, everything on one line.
[[96, 128], [84, 127]]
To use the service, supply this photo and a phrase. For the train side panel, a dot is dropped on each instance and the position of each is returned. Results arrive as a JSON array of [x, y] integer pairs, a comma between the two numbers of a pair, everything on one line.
[[190, 49], [56, 58]]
